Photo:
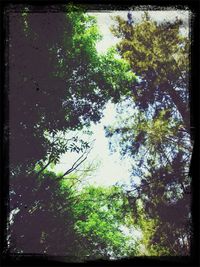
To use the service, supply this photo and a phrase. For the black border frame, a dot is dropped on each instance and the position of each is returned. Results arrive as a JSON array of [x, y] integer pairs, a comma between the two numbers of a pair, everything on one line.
[[39, 260]]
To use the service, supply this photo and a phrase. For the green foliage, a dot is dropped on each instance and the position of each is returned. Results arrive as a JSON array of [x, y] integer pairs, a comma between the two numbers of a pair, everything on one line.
[[159, 54], [44, 219], [59, 85], [89, 220], [153, 129], [25, 22], [72, 85], [101, 213], [118, 73]]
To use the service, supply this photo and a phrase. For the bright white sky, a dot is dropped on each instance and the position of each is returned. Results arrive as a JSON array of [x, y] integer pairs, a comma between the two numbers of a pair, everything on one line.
[[111, 168]]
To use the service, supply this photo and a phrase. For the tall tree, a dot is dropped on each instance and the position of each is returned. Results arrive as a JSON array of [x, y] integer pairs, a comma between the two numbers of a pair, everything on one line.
[[155, 130], [57, 84], [159, 54]]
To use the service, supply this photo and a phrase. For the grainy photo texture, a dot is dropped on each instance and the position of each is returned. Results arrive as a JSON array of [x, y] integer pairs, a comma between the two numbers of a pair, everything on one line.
[[99, 132]]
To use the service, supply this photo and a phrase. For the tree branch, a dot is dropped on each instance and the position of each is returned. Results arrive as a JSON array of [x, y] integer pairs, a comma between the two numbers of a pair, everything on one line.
[[48, 163], [76, 164]]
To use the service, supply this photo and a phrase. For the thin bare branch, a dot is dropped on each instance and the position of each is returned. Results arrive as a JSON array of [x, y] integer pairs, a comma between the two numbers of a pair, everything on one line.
[[76, 164]]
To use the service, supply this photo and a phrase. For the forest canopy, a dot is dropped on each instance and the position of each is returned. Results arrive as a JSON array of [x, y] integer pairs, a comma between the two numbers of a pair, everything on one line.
[[59, 85]]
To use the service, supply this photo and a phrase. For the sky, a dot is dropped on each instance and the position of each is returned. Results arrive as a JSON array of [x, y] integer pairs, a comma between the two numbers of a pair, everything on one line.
[[105, 21], [111, 168]]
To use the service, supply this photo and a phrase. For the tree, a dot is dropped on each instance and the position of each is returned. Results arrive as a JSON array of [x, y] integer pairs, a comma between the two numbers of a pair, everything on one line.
[[159, 54], [70, 88], [101, 214], [43, 221], [154, 126], [54, 218], [57, 84]]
